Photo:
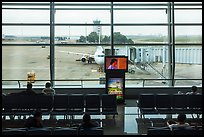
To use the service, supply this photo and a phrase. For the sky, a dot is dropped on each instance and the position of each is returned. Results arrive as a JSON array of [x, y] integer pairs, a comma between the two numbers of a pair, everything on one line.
[[88, 16]]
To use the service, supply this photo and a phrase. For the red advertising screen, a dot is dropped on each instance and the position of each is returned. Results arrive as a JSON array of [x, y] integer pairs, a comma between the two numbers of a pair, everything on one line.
[[116, 63]]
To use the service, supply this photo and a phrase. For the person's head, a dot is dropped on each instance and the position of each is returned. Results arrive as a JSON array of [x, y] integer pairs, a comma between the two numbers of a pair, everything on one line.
[[29, 86], [86, 118], [48, 85], [38, 115], [194, 88], [114, 62], [181, 118]]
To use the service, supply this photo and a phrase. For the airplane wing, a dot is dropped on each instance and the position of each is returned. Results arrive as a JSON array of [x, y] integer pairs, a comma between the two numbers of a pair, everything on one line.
[[77, 53]]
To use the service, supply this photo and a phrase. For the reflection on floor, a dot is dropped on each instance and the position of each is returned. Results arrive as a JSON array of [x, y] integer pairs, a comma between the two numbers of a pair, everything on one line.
[[126, 122]]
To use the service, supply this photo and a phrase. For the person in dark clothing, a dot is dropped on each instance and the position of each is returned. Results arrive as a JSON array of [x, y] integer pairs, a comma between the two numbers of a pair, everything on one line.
[[28, 91], [87, 123], [34, 121]]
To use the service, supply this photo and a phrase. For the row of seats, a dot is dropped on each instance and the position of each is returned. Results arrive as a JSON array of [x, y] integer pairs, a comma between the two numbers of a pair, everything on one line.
[[169, 104], [53, 131], [60, 104], [175, 131]]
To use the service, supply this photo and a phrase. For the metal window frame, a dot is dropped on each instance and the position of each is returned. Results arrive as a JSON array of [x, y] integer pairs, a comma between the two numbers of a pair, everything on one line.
[[170, 6]]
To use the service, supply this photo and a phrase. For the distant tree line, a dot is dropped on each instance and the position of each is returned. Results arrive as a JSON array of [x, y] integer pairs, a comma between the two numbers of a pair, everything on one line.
[[93, 37]]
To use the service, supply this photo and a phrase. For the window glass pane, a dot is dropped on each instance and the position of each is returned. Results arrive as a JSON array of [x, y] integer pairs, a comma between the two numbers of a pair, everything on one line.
[[86, 16], [18, 61], [188, 34], [26, 31], [144, 34], [188, 65], [78, 62], [141, 30], [144, 24], [73, 34], [140, 16], [188, 16], [26, 16], [147, 62]]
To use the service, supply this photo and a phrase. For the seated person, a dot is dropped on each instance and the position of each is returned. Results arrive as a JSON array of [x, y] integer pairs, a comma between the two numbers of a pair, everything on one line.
[[87, 123], [193, 91], [179, 92], [35, 121], [179, 123], [28, 91], [48, 89]]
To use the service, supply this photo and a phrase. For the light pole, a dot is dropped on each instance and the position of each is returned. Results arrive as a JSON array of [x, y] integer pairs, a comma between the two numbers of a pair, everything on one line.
[[99, 36], [69, 33], [86, 33]]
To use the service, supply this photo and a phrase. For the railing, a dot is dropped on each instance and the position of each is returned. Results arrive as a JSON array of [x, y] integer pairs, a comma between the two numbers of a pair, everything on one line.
[[83, 83]]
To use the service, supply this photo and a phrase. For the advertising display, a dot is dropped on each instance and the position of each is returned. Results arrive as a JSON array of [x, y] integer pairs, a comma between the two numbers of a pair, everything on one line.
[[115, 84], [119, 63]]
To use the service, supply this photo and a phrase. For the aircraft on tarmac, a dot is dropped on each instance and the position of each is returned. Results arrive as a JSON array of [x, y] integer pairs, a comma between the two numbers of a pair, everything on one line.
[[98, 56]]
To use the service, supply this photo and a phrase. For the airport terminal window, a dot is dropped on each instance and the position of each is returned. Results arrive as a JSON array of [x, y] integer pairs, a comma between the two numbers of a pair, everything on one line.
[[77, 29], [39, 16], [188, 34], [25, 34], [81, 16], [144, 34], [141, 16], [181, 16], [19, 61]]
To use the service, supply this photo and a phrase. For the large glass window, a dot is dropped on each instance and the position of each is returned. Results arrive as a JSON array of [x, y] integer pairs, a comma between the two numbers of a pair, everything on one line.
[[141, 30]]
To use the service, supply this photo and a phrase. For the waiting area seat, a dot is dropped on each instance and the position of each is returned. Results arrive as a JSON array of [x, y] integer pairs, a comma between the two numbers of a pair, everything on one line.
[[195, 104], [169, 104], [91, 131], [76, 104], [64, 131], [59, 104], [180, 103], [39, 131], [163, 103], [174, 131], [185, 131], [159, 131], [147, 104], [109, 104], [14, 131], [92, 104], [53, 131]]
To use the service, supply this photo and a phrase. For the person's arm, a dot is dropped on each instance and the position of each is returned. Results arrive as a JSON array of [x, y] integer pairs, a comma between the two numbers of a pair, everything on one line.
[[110, 67], [53, 91], [170, 122], [95, 124], [43, 91]]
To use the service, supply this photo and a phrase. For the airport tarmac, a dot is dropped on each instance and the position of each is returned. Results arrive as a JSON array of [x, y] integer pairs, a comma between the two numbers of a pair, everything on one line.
[[17, 61]]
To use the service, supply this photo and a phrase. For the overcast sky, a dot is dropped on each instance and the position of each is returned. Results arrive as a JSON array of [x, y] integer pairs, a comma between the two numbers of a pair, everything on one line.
[[88, 16]]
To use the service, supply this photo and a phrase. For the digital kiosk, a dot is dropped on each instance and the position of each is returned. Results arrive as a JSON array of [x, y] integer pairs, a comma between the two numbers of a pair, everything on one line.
[[115, 68]]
